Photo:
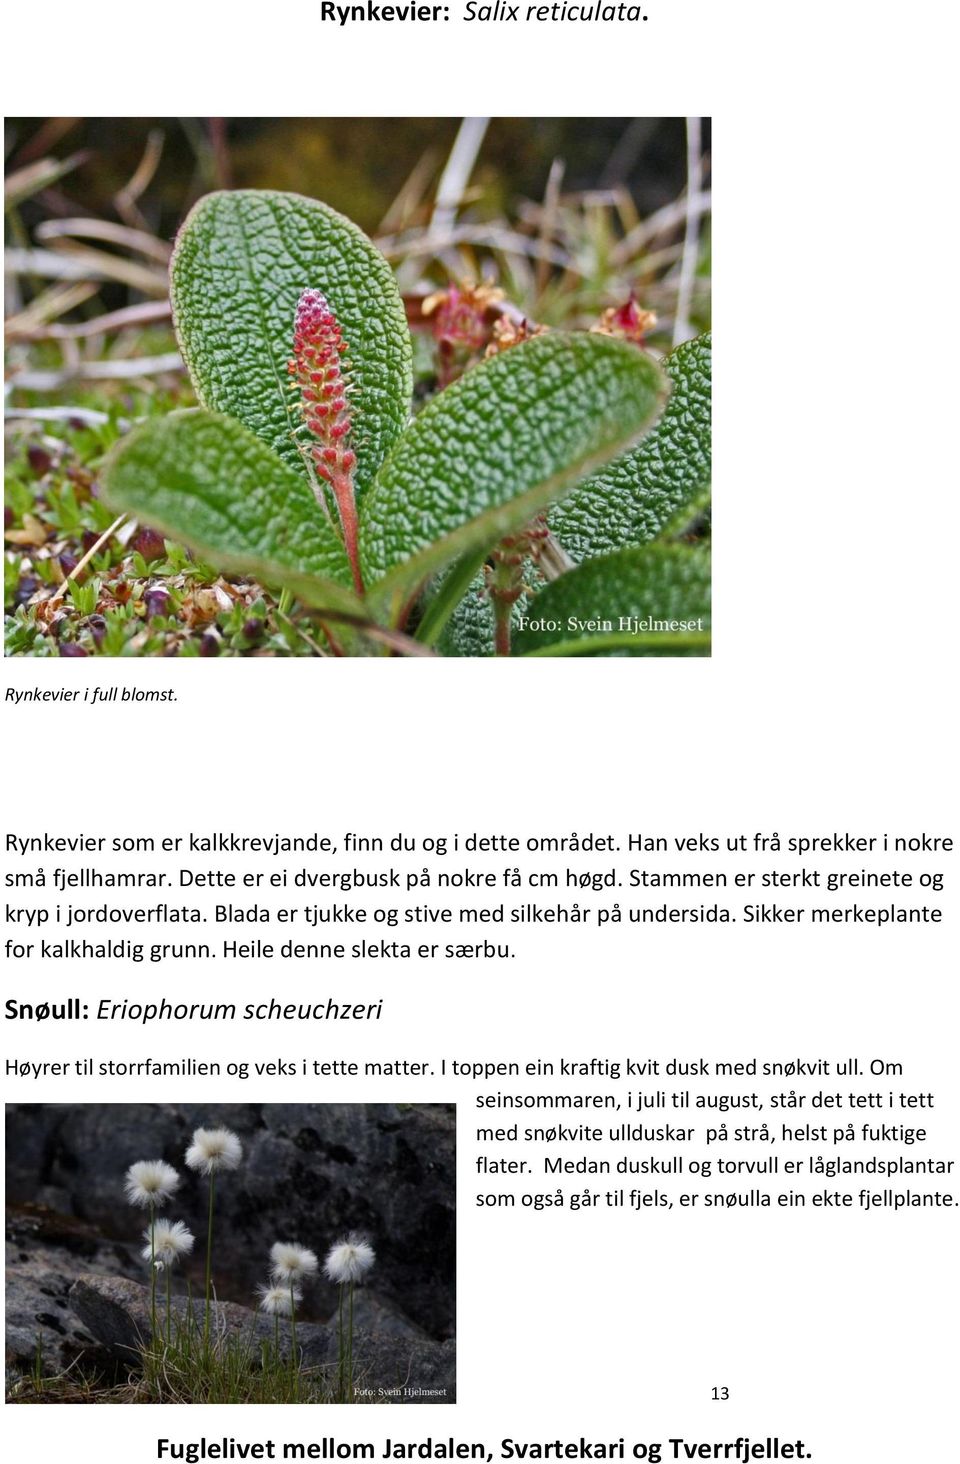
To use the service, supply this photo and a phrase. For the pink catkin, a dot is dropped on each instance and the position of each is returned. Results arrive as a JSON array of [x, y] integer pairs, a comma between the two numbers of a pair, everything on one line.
[[317, 371]]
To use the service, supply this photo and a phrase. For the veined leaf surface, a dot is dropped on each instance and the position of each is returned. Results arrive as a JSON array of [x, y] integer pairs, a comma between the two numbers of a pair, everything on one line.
[[203, 479], [493, 450], [634, 499], [602, 606], [241, 261]]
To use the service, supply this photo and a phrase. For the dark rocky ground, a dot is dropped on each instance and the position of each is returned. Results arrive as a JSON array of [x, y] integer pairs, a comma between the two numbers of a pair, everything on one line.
[[310, 1173], [45, 1254]]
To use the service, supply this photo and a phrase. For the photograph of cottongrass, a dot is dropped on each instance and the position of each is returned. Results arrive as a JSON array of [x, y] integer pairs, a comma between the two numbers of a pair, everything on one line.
[[245, 1253]]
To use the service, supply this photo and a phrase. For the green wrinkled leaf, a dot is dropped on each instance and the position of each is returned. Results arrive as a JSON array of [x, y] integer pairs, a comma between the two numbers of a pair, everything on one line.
[[635, 498], [470, 630], [204, 480], [582, 610], [241, 261], [446, 594], [499, 445]]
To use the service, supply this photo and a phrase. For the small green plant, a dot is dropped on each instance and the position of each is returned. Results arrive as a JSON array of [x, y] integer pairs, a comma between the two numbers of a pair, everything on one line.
[[179, 1369], [291, 1268], [304, 468], [36, 1372], [150, 1183], [211, 1152], [279, 1300], [347, 1265], [168, 1241]]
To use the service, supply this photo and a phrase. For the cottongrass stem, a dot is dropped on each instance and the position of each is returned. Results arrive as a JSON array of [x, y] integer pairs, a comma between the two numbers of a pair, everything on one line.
[[291, 1266], [210, 1151], [347, 1264], [167, 1241], [148, 1184]]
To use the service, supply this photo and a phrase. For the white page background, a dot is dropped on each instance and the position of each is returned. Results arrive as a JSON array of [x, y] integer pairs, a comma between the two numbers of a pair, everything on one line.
[[826, 705]]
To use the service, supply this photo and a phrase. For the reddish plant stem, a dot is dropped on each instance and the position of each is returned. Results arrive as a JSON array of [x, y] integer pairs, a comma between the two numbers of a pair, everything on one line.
[[503, 614], [504, 576], [342, 486]]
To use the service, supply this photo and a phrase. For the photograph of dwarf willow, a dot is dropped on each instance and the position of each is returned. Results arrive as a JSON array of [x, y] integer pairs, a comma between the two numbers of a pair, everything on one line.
[[289, 1301], [463, 436]]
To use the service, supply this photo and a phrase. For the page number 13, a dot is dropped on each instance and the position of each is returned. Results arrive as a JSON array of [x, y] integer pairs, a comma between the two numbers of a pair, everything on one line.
[[720, 1395]]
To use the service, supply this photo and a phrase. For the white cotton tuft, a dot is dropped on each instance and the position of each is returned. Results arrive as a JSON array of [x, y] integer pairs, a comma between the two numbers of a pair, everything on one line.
[[349, 1260], [213, 1150], [290, 1262], [171, 1240], [278, 1300], [150, 1182]]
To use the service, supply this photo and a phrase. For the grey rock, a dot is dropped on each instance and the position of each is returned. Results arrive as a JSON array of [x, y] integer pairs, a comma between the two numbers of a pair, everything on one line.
[[45, 1253], [373, 1315], [423, 1373]]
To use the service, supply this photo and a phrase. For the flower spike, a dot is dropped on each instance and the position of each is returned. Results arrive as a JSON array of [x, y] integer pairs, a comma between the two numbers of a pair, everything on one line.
[[317, 372]]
